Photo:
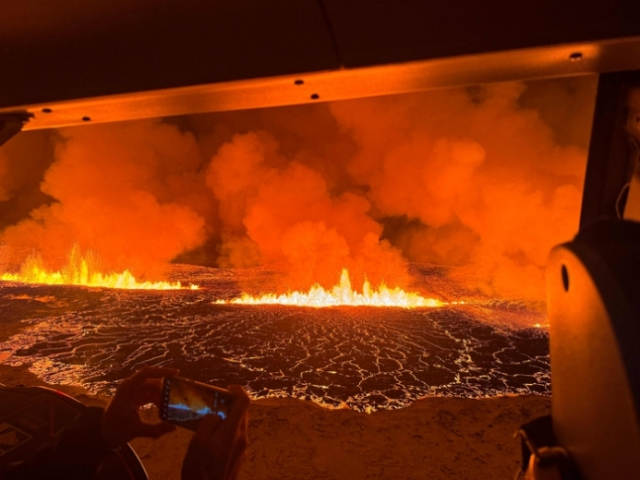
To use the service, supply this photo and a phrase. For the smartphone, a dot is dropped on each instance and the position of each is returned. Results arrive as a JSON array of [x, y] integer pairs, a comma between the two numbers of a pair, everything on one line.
[[185, 402]]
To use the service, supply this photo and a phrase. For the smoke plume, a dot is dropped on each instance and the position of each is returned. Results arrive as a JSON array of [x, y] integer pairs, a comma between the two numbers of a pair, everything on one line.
[[484, 180], [479, 180], [123, 191]]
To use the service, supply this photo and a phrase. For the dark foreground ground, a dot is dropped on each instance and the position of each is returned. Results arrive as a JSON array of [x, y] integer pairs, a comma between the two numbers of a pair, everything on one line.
[[435, 438]]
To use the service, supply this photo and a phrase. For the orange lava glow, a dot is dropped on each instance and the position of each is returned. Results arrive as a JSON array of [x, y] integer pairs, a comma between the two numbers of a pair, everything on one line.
[[342, 294], [80, 271]]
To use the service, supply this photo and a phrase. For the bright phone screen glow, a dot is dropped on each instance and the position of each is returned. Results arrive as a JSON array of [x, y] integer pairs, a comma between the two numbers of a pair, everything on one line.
[[188, 403]]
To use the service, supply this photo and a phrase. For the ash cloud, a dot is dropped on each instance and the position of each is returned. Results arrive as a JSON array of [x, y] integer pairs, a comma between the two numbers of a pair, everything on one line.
[[485, 180]]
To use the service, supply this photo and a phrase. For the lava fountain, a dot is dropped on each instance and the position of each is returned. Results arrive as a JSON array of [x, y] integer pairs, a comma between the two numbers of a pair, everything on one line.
[[81, 270], [342, 295]]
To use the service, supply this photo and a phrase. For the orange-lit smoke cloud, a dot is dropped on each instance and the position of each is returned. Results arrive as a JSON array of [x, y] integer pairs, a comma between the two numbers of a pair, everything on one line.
[[466, 178], [276, 210], [481, 181], [124, 191], [486, 180]]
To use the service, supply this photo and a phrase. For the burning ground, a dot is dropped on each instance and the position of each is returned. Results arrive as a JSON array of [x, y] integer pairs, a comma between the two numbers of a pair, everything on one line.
[[365, 358]]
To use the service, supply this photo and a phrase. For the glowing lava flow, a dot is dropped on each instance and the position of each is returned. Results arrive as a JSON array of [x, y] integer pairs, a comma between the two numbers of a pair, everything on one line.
[[342, 294], [79, 271]]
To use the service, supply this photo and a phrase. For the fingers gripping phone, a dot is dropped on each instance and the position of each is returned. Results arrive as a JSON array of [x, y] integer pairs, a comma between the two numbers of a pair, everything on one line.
[[185, 402]]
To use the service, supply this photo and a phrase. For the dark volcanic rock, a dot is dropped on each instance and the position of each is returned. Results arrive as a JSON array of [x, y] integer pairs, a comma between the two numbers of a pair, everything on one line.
[[368, 358]]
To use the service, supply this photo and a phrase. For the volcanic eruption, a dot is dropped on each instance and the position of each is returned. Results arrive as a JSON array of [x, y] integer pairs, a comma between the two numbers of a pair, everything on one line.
[[442, 203], [466, 178]]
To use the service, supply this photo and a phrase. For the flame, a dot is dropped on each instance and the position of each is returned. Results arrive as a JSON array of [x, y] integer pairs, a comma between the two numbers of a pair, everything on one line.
[[80, 270], [342, 294]]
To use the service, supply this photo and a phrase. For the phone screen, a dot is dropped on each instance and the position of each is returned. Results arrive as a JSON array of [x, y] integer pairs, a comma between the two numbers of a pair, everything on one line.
[[185, 402]]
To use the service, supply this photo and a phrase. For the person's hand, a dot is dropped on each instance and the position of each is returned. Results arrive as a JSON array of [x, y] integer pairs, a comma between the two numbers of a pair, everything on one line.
[[121, 421], [216, 449]]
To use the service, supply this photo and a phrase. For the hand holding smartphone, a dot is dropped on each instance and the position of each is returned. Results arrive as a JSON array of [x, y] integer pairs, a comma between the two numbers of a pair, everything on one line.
[[185, 402]]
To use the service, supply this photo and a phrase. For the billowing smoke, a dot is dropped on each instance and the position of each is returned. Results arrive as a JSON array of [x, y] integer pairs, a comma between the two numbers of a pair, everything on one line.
[[484, 180], [128, 192], [276, 209], [478, 180]]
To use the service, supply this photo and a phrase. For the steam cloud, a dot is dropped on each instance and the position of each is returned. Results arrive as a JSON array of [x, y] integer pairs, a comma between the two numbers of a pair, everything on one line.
[[485, 179]]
